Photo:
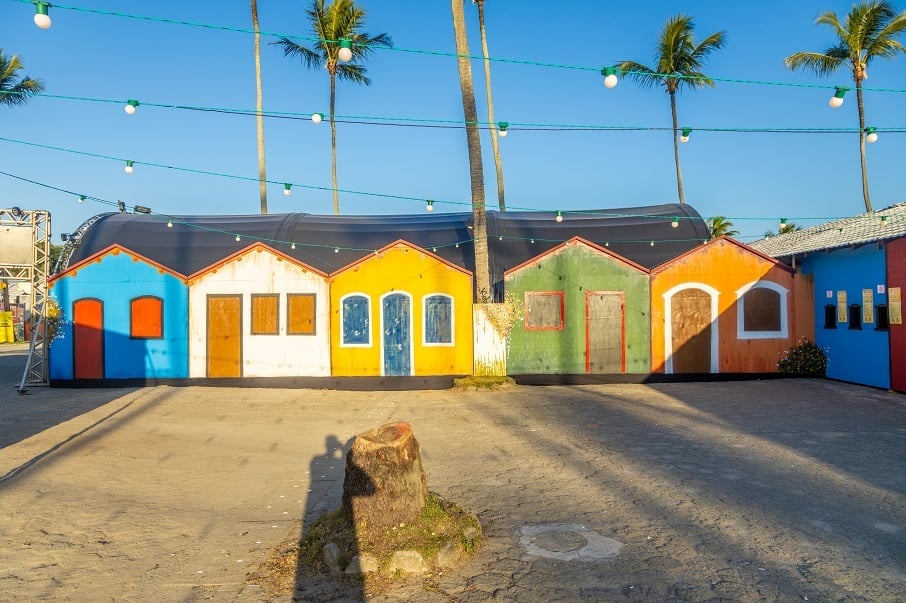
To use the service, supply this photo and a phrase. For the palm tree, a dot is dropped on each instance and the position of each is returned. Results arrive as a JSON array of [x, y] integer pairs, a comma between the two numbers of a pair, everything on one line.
[[473, 140], [678, 61], [340, 20], [720, 226], [259, 105], [16, 89], [495, 147], [869, 30]]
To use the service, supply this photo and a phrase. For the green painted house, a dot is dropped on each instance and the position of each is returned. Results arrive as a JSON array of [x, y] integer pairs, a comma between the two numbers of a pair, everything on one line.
[[586, 311]]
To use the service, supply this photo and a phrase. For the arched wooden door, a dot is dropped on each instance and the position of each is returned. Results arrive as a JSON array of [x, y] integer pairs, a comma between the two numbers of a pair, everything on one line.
[[690, 317], [396, 319], [88, 339]]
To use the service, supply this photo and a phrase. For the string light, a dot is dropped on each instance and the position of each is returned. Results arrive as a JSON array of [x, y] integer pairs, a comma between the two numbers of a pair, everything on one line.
[[675, 223], [130, 107], [317, 118], [871, 134], [81, 198], [129, 169], [430, 205], [42, 16], [782, 224], [610, 77], [293, 246], [836, 100], [169, 223], [559, 217], [287, 189], [684, 137], [238, 238], [503, 125], [345, 52]]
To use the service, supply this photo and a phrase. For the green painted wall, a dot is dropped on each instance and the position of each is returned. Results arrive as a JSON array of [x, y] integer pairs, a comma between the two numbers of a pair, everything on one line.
[[576, 269]]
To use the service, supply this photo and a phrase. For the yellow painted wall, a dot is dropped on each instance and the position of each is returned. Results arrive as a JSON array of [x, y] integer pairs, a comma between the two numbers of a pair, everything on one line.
[[726, 267], [403, 269]]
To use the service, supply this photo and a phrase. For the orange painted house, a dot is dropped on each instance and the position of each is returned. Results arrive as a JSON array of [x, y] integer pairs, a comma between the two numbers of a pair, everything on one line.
[[724, 307]]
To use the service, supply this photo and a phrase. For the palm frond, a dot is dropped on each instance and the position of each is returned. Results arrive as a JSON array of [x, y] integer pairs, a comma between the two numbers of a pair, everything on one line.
[[822, 64], [352, 72], [642, 75], [310, 58]]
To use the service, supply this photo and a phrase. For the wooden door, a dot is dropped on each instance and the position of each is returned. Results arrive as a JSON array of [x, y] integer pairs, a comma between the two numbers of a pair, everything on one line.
[[88, 339], [397, 341], [224, 336], [690, 318], [604, 333]]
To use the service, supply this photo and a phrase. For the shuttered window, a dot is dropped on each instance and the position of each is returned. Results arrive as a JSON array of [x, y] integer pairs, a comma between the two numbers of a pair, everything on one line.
[[265, 313], [544, 310], [355, 320], [438, 320], [300, 313], [146, 320]]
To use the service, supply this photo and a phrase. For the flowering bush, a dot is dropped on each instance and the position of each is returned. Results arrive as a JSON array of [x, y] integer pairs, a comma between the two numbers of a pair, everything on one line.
[[806, 360]]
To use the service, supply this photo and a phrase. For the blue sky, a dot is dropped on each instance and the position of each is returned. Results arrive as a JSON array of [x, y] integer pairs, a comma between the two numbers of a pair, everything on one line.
[[754, 178]]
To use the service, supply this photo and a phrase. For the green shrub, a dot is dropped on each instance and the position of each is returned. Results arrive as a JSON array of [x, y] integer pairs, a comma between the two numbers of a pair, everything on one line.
[[805, 360]]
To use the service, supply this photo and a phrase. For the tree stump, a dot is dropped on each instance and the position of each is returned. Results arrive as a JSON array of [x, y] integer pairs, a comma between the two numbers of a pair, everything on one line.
[[384, 484]]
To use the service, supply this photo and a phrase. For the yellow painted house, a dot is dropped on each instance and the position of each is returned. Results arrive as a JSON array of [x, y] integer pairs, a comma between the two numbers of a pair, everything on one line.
[[401, 311]]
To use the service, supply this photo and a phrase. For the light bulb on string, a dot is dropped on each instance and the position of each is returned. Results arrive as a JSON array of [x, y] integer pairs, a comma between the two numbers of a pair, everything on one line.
[[130, 107], [42, 16], [129, 166], [836, 100], [293, 246], [81, 198], [169, 223], [287, 189], [238, 238], [317, 118], [559, 217], [675, 223], [684, 137], [502, 126], [345, 52], [430, 205], [782, 225], [610, 77], [871, 134]]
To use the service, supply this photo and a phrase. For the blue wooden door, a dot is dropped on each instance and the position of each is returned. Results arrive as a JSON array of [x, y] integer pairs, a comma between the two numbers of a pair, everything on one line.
[[396, 316]]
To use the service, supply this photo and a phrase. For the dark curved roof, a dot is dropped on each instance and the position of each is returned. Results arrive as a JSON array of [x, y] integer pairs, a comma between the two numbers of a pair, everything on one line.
[[329, 243]]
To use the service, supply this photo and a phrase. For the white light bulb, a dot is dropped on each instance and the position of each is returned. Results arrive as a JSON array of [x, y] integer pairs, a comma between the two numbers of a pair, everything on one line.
[[287, 192], [611, 81], [42, 21], [835, 102], [128, 169], [345, 54], [129, 109], [502, 133], [684, 139], [559, 218], [316, 118], [873, 137]]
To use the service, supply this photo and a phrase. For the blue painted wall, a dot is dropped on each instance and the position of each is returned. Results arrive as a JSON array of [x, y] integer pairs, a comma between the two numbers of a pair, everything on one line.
[[856, 355], [116, 279]]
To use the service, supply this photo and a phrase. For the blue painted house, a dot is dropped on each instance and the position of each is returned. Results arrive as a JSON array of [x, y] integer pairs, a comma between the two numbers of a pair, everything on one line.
[[847, 262], [122, 316]]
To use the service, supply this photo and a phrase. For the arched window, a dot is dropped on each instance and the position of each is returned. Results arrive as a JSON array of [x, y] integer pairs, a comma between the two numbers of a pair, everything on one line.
[[355, 320], [761, 311], [438, 313], [146, 318]]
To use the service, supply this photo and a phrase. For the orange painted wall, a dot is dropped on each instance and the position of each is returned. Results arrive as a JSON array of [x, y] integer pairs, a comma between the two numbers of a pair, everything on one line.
[[727, 266]]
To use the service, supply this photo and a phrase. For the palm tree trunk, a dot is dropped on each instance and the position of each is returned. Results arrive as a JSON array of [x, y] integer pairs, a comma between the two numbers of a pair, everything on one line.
[[259, 106], [679, 173], [495, 147], [333, 144], [861, 107], [473, 141]]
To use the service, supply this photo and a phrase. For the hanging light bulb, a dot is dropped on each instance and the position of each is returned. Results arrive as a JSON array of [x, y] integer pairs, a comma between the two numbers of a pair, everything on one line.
[[42, 18], [871, 135], [345, 52], [293, 246], [287, 189], [336, 250], [317, 118], [503, 125], [782, 225], [131, 104], [238, 238], [430, 205], [169, 223], [129, 169], [559, 217], [81, 198], [684, 137], [610, 77], [675, 223], [652, 243], [836, 100]]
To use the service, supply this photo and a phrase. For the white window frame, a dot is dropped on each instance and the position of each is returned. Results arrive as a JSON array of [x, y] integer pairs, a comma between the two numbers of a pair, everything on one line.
[[741, 332], [343, 343]]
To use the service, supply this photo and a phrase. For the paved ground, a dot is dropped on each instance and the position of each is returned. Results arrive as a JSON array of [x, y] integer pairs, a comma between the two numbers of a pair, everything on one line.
[[744, 491]]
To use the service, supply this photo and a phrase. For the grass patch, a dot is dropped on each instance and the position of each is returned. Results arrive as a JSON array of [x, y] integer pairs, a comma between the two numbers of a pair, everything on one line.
[[483, 382]]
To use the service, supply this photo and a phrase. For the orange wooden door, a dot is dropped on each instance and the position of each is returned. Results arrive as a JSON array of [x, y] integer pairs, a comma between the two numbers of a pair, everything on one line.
[[690, 316], [88, 339], [224, 336]]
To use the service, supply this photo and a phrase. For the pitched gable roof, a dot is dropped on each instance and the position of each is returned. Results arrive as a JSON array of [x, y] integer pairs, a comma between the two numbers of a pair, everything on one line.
[[395, 244], [113, 250], [248, 250], [575, 241], [869, 227], [719, 241]]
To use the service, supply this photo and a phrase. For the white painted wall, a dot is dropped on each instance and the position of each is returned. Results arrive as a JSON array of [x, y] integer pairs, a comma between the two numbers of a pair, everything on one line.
[[281, 355]]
